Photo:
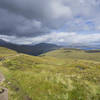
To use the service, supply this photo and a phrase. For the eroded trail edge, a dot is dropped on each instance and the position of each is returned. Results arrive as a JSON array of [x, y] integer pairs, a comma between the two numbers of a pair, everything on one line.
[[3, 90]]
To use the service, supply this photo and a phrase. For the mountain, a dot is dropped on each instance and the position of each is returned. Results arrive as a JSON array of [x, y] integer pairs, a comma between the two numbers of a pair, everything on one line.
[[30, 49], [84, 46]]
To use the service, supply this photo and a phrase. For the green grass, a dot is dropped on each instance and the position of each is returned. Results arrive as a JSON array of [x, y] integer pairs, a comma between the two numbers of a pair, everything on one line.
[[56, 75], [4, 52], [74, 54]]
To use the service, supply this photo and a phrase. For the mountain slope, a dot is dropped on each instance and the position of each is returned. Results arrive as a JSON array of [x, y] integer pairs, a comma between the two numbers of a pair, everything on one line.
[[65, 53], [50, 78], [30, 49]]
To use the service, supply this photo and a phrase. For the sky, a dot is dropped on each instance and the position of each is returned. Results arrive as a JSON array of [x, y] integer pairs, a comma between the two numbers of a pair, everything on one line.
[[62, 22]]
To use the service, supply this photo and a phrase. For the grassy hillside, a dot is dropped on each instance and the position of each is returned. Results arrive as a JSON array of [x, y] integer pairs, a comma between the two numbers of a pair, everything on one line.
[[57, 75], [75, 54], [4, 52]]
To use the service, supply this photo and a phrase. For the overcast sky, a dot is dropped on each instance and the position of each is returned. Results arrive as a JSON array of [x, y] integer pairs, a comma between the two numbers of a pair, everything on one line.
[[54, 21]]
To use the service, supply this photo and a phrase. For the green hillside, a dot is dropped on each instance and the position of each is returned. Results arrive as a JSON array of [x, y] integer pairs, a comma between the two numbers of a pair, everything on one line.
[[4, 52], [63, 74], [75, 54]]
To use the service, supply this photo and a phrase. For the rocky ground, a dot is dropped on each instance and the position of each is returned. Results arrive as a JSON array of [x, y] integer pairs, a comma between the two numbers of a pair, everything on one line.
[[3, 91]]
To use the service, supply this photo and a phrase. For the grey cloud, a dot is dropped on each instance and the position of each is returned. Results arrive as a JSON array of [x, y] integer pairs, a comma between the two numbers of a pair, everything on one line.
[[51, 14], [12, 24], [31, 18]]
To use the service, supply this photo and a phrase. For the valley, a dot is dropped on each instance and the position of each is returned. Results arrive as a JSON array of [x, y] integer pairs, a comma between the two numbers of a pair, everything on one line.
[[62, 74]]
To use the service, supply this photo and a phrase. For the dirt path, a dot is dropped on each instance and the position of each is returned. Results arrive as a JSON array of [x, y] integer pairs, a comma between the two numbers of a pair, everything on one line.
[[3, 91]]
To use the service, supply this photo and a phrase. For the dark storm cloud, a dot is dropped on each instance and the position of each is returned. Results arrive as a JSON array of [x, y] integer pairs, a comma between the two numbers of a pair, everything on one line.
[[14, 24], [31, 17]]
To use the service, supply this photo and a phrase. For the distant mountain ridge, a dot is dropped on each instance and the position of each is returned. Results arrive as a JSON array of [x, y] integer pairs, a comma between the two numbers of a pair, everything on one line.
[[43, 47], [84, 46], [30, 49]]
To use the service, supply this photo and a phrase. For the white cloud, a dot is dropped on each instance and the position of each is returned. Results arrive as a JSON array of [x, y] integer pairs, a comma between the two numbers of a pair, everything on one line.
[[59, 10], [62, 38]]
